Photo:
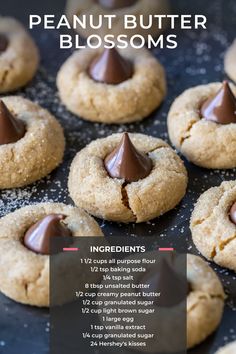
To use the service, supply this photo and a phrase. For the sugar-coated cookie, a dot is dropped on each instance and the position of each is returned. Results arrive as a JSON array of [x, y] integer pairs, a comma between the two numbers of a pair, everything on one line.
[[213, 224], [24, 243], [205, 302], [19, 57], [112, 87], [127, 178], [31, 142], [199, 298], [202, 125]]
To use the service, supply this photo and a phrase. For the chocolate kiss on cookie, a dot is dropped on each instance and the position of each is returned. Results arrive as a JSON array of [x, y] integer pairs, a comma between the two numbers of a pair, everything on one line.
[[3, 43], [11, 129], [232, 213], [222, 108], [37, 238], [110, 68], [126, 162], [170, 285], [116, 4]]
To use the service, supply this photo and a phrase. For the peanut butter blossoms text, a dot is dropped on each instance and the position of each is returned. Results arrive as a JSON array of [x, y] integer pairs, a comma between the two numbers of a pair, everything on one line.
[[106, 22]]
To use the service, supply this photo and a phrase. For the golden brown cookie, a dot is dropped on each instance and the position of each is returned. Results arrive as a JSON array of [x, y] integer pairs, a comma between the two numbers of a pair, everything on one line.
[[38, 152], [135, 8], [230, 59], [155, 310], [228, 349], [19, 58], [213, 230], [24, 275], [92, 188], [205, 302], [204, 142], [131, 100]]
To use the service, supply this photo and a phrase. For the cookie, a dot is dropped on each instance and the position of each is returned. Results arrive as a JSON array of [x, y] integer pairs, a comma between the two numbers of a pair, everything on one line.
[[24, 261], [125, 180], [119, 8], [112, 87], [19, 57], [230, 58], [205, 302], [213, 224], [228, 349], [201, 125], [31, 142], [156, 299]]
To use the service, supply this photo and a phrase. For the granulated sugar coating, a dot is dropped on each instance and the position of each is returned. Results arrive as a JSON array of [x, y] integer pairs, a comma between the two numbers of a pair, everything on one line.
[[197, 60]]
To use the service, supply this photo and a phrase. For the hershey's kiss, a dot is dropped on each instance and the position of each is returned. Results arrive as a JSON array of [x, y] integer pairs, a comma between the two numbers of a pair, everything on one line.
[[38, 236], [3, 43], [221, 108], [11, 129], [116, 4], [126, 162], [232, 213], [110, 68], [173, 288]]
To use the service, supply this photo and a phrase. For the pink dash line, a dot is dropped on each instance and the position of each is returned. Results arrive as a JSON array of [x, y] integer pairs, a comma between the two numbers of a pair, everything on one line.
[[166, 249], [71, 249]]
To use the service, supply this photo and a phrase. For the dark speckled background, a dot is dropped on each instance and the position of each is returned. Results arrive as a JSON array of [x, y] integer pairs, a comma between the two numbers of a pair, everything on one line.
[[198, 59]]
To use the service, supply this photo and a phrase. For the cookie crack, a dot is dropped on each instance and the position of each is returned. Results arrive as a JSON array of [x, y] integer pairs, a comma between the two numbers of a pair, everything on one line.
[[187, 133], [221, 246], [5, 74], [200, 221], [4, 77], [205, 297], [225, 243], [125, 199], [158, 148], [26, 289], [26, 284]]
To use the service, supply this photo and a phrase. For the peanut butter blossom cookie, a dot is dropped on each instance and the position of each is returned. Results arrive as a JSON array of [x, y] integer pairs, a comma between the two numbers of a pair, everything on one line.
[[205, 302], [213, 224], [25, 248], [19, 56], [202, 125], [228, 349], [164, 289], [200, 294], [119, 8], [127, 178], [31, 142], [230, 59], [112, 86]]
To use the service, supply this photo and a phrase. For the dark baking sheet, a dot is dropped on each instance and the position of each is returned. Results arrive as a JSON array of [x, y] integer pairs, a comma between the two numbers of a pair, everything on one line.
[[198, 59]]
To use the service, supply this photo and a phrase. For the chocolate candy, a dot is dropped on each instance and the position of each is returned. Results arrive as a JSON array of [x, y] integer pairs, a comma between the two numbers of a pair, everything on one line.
[[221, 108], [232, 213], [3, 43], [111, 68], [11, 129], [173, 288], [126, 162], [116, 4], [37, 238]]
